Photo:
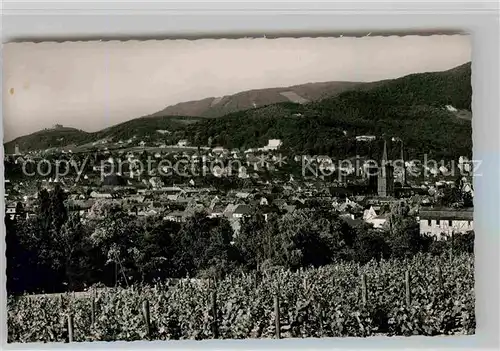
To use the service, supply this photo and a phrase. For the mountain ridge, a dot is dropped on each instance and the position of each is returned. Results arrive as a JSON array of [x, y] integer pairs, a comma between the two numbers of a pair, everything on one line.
[[222, 105], [357, 106]]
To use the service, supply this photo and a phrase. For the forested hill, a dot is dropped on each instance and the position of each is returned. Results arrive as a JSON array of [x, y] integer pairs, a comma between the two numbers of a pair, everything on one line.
[[412, 108], [220, 106], [48, 138], [63, 136]]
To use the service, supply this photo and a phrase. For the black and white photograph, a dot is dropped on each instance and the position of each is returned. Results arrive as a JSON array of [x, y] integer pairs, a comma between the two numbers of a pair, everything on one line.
[[253, 188]]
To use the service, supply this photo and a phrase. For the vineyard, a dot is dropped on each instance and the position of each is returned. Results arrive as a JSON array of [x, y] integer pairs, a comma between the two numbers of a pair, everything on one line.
[[424, 295]]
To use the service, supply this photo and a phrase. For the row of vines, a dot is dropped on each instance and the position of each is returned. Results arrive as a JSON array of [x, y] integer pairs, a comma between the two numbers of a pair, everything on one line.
[[421, 296]]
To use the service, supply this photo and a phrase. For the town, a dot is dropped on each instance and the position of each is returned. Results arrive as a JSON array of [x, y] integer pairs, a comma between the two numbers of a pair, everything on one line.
[[240, 189], [230, 183]]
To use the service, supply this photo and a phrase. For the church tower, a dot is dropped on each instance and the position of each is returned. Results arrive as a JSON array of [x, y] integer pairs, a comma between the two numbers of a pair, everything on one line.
[[403, 166], [385, 184]]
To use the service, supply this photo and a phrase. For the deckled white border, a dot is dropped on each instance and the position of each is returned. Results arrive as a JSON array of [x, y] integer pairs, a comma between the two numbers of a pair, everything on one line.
[[37, 21]]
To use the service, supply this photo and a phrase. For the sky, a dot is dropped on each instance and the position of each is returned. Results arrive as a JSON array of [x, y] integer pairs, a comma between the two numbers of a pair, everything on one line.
[[93, 85]]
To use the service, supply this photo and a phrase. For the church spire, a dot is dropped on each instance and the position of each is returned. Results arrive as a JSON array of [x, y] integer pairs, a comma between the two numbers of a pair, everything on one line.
[[403, 165], [384, 155]]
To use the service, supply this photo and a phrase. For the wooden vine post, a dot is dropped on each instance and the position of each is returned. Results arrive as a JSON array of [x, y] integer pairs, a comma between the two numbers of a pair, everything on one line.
[[407, 288], [215, 327], [321, 318], [277, 316], [70, 327], [147, 320], [439, 274], [93, 312]]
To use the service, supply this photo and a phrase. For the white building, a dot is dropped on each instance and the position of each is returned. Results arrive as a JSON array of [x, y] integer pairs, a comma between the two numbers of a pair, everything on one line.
[[445, 222], [365, 137], [97, 195], [272, 144], [218, 150], [183, 143], [371, 216]]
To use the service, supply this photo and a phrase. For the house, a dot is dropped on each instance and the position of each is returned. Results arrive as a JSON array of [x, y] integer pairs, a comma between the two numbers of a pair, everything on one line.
[[175, 216], [272, 144], [370, 213], [241, 211], [228, 211], [379, 221], [365, 137], [216, 212], [97, 195], [242, 195], [218, 150], [183, 142], [376, 216], [442, 223]]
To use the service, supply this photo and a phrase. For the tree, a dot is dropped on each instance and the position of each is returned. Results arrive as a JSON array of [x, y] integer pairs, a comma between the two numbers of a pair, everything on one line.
[[154, 250], [72, 250], [200, 243], [404, 233], [370, 244], [254, 241], [222, 256], [115, 235]]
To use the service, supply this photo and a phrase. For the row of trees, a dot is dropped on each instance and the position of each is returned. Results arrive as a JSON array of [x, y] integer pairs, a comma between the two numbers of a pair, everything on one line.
[[56, 251]]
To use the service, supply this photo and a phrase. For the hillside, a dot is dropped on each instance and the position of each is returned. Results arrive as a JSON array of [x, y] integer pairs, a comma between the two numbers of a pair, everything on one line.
[[217, 107], [220, 106], [411, 107], [47, 138], [143, 127]]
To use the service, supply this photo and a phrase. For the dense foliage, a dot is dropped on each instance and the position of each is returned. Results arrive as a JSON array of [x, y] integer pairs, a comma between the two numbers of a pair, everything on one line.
[[316, 302], [55, 250], [330, 125]]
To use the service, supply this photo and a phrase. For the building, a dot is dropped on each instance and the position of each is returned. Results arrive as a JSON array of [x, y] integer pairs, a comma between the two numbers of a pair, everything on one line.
[[373, 215], [365, 138], [385, 181], [402, 168], [97, 195], [272, 144], [176, 216], [442, 223], [183, 143], [241, 211]]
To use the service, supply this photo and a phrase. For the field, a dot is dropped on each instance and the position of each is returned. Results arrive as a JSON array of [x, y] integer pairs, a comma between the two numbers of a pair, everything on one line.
[[422, 296]]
